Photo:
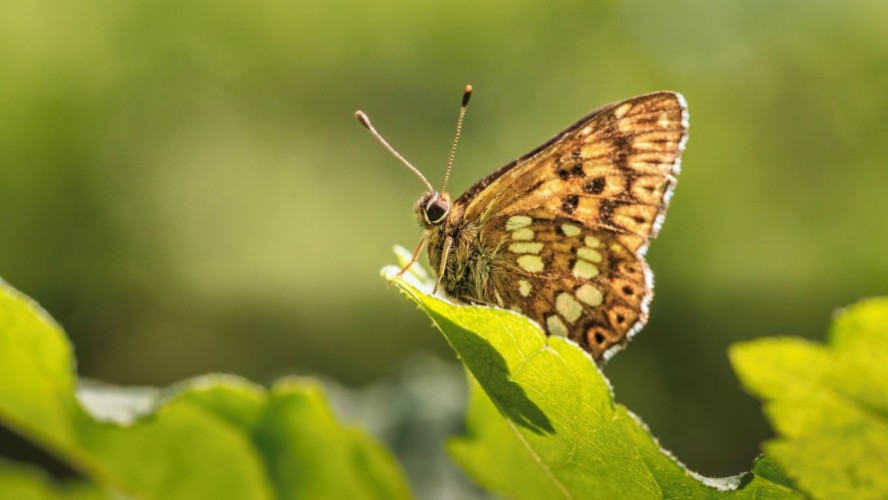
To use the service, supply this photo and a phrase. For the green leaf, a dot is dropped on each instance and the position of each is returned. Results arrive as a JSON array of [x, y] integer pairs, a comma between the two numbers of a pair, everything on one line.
[[828, 404], [562, 436], [211, 437], [22, 482]]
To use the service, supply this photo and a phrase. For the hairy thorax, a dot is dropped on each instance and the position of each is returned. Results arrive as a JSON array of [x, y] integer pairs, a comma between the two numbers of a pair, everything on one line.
[[474, 262]]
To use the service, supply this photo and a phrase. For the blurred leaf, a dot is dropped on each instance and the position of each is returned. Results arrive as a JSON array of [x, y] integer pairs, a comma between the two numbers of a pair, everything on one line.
[[828, 404], [562, 435], [21, 482], [211, 437]]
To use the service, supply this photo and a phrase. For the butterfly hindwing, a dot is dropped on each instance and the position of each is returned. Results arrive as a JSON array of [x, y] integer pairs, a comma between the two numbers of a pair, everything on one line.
[[574, 280]]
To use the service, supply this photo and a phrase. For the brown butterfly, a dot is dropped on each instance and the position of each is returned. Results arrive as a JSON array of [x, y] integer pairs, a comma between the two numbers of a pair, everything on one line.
[[560, 233]]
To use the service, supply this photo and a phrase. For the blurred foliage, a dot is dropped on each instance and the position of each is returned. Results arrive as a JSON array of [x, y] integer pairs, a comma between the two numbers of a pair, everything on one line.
[[827, 403], [184, 186], [210, 437], [26, 482]]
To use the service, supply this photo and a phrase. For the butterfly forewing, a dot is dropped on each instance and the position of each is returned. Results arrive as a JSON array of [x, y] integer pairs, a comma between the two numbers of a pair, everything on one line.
[[560, 233]]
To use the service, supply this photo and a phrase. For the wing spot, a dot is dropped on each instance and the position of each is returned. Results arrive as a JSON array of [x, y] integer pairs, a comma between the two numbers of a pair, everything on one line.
[[517, 222], [590, 295], [619, 317], [526, 247], [577, 170], [589, 254], [568, 307], [525, 234], [628, 290], [595, 186], [531, 263], [592, 242], [555, 326], [584, 270], [621, 110], [570, 230], [569, 203], [524, 288], [625, 125], [606, 212]]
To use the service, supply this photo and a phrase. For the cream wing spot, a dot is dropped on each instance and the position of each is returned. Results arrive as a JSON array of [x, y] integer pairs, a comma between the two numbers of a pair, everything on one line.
[[589, 254], [584, 270], [570, 230], [592, 242], [625, 124], [590, 295], [531, 263], [517, 222], [523, 247], [524, 288], [568, 307], [524, 233], [621, 110], [555, 326]]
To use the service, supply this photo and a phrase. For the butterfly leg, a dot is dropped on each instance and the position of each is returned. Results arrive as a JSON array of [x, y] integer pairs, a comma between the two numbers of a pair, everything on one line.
[[412, 259], [448, 242]]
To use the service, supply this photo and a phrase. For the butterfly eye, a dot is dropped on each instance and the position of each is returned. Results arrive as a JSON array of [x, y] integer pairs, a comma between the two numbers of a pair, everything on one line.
[[437, 210]]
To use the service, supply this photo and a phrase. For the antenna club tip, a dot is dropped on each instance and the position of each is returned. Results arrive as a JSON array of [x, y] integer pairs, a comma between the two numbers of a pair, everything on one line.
[[362, 118], [467, 93]]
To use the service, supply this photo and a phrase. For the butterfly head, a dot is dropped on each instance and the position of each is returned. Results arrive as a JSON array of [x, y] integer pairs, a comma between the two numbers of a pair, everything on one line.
[[432, 209]]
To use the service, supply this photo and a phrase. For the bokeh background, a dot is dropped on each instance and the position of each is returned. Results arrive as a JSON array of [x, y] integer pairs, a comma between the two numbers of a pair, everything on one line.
[[183, 185]]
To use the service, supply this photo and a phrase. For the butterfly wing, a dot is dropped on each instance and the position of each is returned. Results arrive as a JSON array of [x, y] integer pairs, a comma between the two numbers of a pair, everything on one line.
[[569, 222]]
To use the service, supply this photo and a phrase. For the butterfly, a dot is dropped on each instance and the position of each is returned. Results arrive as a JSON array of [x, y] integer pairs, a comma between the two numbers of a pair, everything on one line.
[[560, 233]]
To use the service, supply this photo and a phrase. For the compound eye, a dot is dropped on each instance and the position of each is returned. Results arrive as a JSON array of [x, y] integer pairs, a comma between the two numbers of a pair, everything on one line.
[[437, 210]]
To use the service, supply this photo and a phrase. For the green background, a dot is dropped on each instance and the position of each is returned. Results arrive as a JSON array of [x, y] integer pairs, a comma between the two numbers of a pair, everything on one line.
[[184, 187]]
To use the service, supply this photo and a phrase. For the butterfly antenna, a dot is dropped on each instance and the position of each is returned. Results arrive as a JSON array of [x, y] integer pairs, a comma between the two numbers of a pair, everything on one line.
[[362, 118], [467, 93]]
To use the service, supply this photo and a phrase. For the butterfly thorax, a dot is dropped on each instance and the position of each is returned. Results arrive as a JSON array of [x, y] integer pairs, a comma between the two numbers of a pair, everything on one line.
[[470, 264]]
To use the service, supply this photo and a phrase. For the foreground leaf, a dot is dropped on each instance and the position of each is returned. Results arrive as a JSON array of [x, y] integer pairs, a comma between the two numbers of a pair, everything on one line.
[[828, 404], [562, 435], [211, 437], [23, 482]]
